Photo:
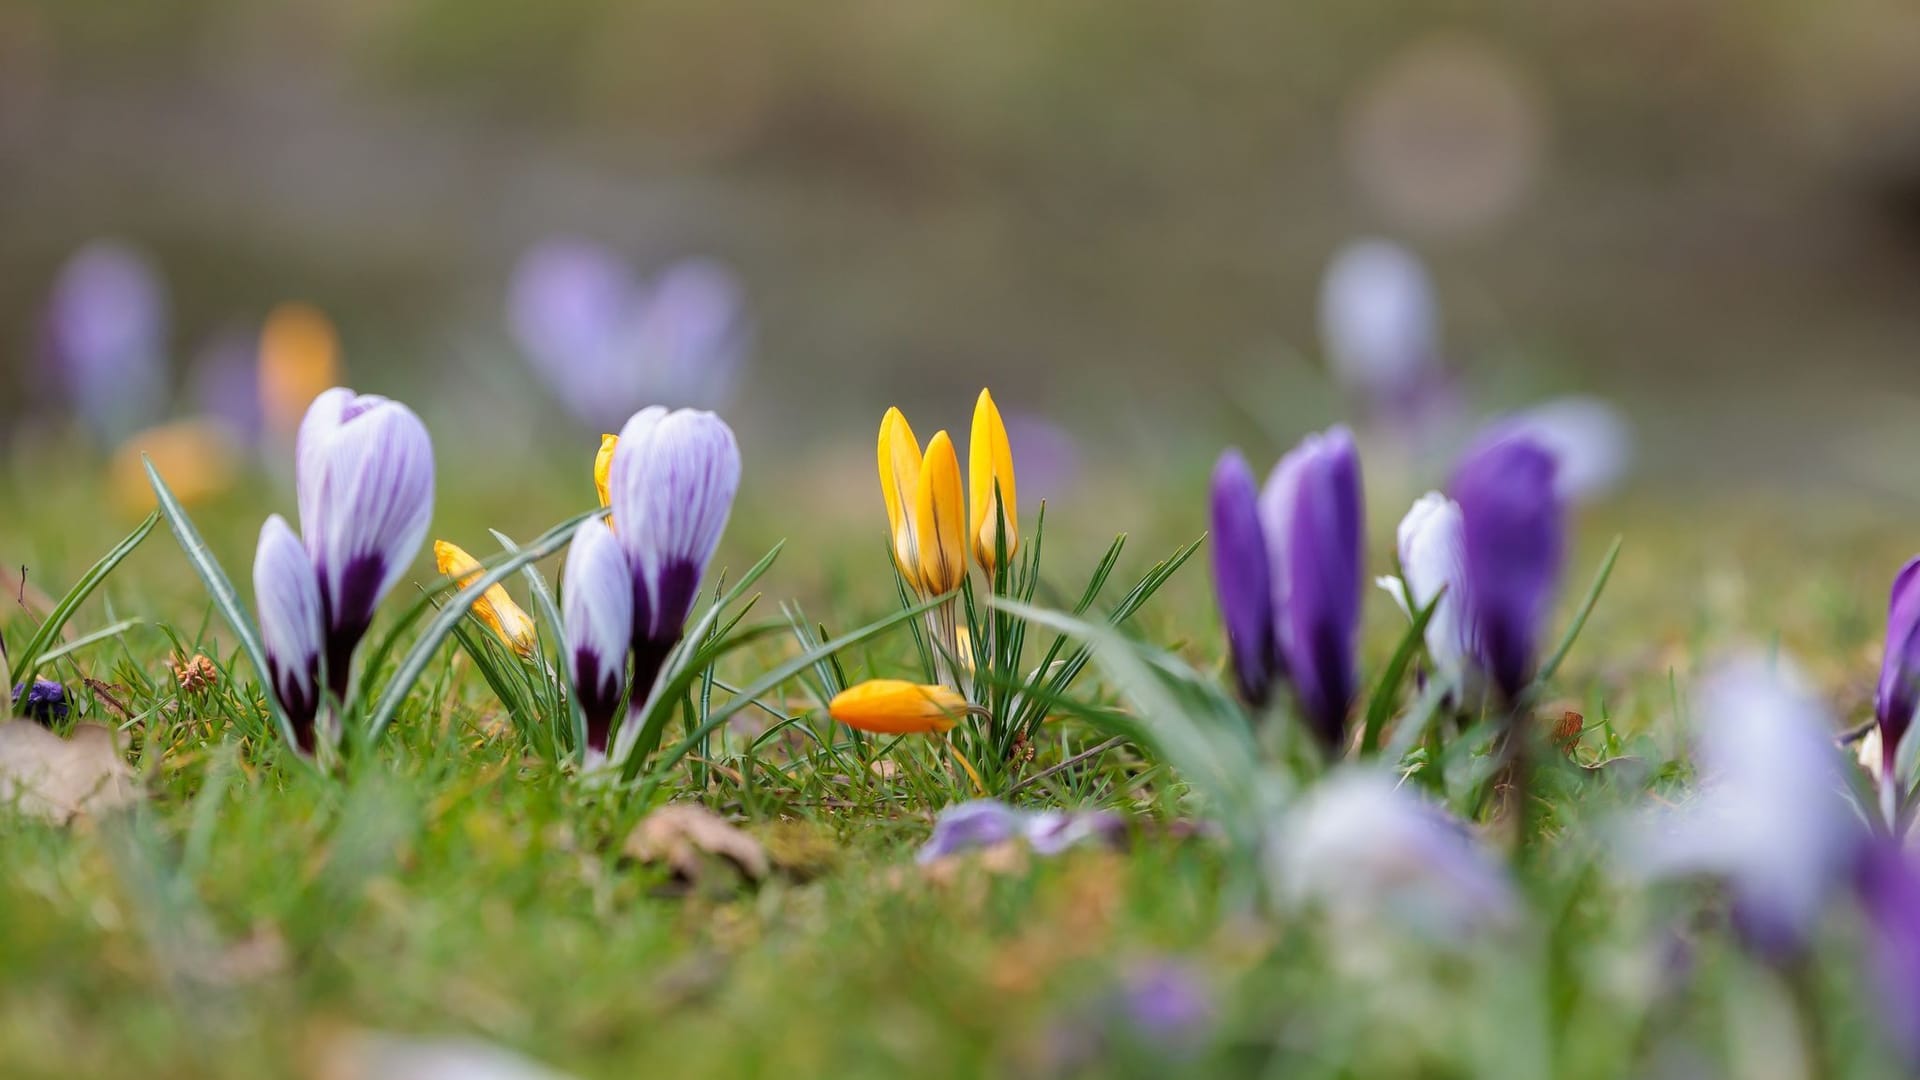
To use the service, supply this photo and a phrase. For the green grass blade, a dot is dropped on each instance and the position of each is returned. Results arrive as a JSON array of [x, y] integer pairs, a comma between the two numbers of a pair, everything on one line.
[[220, 589], [1380, 704], [1580, 618], [30, 656], [103, 634]]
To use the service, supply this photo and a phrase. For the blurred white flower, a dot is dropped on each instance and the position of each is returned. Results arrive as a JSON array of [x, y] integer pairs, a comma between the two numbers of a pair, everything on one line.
[[1379, 324], [1365, 850], [1590, 440], [1430, 559], [1772, 818]]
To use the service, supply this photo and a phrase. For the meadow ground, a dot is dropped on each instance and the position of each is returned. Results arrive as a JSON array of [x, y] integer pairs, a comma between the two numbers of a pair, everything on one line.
[[250, 917]]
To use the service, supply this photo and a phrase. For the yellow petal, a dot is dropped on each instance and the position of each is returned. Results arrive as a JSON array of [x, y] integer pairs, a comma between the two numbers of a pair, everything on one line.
[[194, 457], [899, 453], [299, 358], [939, 519], [897, 707], [990, 475], [495, 607], [603, 471]]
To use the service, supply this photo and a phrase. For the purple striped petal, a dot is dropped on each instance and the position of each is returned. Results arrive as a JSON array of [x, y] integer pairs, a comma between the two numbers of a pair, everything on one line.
[[1899, 692], [1241, 576], [106, 336], [597, 607], [1512, 545], [365, 485], [1312, 517], [287, 594], [692, 333]]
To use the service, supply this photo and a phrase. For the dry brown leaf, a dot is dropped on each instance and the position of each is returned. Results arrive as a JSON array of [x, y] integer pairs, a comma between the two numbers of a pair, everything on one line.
[[46, 776], [690, 840]]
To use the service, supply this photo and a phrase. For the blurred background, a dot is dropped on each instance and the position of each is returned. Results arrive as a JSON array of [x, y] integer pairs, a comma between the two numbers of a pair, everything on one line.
[[1119, 216]]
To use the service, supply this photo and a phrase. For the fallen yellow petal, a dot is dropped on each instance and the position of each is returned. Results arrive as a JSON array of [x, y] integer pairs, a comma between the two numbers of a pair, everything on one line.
[[897, 707], [495, 607]]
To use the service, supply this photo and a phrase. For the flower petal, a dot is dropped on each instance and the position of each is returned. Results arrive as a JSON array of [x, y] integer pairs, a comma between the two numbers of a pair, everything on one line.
[[1431, 559], [673, 481], [897, 707], [1311, 516], [990, 474], [1241, 581], [899, 454], [1512, 545], [603, 468], [495, 606], [597, 607], [287, 594], [939, 513]]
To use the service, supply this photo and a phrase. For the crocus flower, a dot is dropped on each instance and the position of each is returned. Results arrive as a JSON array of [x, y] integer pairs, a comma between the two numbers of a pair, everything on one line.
[[105, 338], [1889, 889], [196, 456], [44, 701], [1361, 847], [1512, 527], [364, 479], [1591, 443], [672, 481], [299, 360], [607, 343], [597, 607], [1430, 561], [925, 506], [603, 470], [1772, 819], [1307, 525], [1380, 327], [990, 475], [1241, 577], [897, 707], [495, 607], [985, 823], [226, 385], [1899, 692]]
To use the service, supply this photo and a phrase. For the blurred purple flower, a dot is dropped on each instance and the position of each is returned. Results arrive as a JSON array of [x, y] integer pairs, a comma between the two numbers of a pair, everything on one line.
[[1360, 846], [1512, 541], [226, 384], [1591, 443], [1380, 328], [105, 339], [364, 481], [1889, 888], [45, 701], [1167, 1004], [1048, 454], [609, 344], [671, 485], [1899, 692], [1241, 577], [985, 823], [597, 599], [1772, 819], [1311, 517]]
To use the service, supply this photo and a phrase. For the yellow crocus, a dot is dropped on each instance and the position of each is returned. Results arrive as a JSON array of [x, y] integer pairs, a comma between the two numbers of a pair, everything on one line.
[[897, 707], [495, 607], [990, 474], [900, 459], [195, 457], [603, 471], [299, 359], [939, 518]]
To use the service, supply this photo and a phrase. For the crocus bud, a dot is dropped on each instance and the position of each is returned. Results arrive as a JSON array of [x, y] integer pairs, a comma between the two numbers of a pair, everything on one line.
[[569, 304], [1889, 887], [364, 478], [897, 707], [1242, 580], [1430, 561], [691, 333], [939, 514], [673, 480], [1899, 692], [899, 456], [990, 474], [292, 628], [106, 338], [495, 607], [597, 607], [1311, 517], [1512, 527]]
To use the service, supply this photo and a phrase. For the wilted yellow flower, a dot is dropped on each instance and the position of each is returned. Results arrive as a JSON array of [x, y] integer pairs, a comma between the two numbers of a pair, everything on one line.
[[603, 471], [897, 707], [990, 475], [299, 359], [939, 518], [495, 607], [195, 457]]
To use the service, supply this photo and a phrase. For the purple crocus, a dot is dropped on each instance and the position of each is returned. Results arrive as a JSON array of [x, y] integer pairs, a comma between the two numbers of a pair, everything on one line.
[[671, 486], [105, 338], [1309, 527], [45, 701], [1512, 540], [1242, 580], [1380, 327], [364, 480], [597, 607], [607, 342], [1899, 692], [985, 823]]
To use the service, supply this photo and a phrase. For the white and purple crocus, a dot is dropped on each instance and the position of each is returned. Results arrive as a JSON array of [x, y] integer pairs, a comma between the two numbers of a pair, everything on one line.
[[607, 342], [629, 588], [364, 476], [1899, 691], [1287, 563]]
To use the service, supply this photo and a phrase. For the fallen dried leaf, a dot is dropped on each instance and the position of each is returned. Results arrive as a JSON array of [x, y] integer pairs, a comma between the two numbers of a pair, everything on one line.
[[46, 776], [694, 842]]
